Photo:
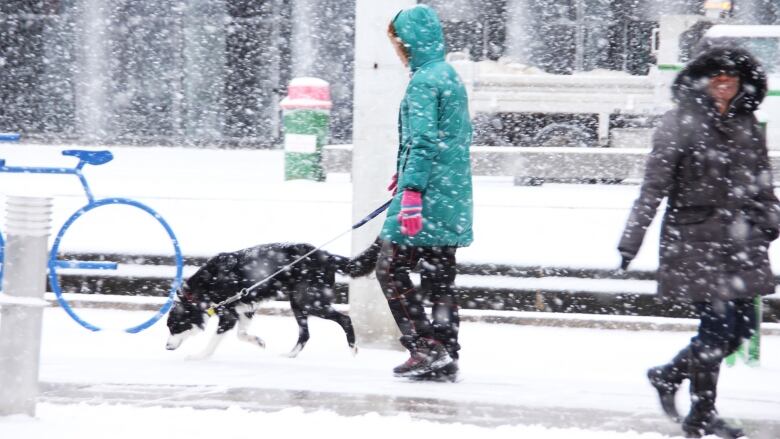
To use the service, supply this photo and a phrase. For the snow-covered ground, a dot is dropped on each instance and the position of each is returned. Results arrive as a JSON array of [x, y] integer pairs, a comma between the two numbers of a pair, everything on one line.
[[92, 422], [513, 377], [222, 200], [219, 200]]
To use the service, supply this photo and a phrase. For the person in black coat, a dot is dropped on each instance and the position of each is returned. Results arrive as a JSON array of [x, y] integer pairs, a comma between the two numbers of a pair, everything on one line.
[[710, 161]]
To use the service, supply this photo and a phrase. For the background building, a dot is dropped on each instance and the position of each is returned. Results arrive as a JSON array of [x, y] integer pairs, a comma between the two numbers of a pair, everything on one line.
[[212, 72]]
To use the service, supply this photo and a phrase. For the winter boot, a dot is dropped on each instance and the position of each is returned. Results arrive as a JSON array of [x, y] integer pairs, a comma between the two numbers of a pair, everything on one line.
[[448, 373], [431, 356], [666, 380], [703, 419], [417, 360], [701, 425], [667, 390]]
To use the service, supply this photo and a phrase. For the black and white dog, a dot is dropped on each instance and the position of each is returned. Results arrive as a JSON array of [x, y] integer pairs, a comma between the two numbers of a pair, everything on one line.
[[309, 284]]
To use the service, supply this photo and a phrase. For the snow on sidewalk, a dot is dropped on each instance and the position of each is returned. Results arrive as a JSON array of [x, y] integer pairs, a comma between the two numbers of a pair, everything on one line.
[[556, 377], [220, 200], [84, 421]]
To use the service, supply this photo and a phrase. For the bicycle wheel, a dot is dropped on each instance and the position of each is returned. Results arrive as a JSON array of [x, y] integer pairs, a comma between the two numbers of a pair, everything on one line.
[[58, 267]]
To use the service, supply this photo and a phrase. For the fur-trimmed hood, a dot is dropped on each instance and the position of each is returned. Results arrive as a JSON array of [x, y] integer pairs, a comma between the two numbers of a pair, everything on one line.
[[690, 86]]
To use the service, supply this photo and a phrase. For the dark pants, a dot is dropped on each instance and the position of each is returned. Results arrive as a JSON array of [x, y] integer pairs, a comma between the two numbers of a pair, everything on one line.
[[723, 326], [437, 276]]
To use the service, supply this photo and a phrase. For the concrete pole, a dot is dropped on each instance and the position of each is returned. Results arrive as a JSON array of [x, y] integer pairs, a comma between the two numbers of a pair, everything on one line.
[[380, 80], [21, 303]]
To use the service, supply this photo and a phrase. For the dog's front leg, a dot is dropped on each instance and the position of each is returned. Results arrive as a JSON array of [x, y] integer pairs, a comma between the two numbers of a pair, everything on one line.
[[227, 320], [303, 328], [244, 319], [216, 339]]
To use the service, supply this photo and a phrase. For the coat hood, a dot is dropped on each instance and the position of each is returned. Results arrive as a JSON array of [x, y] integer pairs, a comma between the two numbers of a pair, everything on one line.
[[690, 86], [420, 31]]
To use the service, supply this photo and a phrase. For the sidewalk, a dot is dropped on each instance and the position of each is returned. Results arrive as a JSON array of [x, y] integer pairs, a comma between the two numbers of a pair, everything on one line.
[[427, 408], [511, 374]]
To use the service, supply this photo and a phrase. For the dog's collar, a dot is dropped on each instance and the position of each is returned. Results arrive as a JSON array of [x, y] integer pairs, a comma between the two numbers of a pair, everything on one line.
[[190, 298]]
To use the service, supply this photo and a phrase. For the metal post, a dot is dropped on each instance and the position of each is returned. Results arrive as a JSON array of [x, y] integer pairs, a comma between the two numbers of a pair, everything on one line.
[[21, 302]]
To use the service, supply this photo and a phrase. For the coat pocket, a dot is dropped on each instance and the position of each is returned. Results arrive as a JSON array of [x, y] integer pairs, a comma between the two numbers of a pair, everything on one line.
[[692, 224]]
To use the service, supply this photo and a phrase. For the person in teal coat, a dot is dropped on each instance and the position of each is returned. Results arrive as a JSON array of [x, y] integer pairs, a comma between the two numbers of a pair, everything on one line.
[[430, 216]]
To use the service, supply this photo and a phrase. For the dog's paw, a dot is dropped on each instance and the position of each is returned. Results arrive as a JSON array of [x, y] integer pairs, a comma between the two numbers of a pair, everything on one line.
[[354, 350], [296, 350], [260, 342]]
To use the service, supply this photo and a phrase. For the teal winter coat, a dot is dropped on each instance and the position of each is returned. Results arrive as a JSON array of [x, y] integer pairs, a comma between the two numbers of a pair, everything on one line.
[[435, 135]]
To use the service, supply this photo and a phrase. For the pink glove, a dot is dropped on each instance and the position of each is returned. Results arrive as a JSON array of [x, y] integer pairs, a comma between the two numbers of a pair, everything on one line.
[[393, 183], [410, 216]]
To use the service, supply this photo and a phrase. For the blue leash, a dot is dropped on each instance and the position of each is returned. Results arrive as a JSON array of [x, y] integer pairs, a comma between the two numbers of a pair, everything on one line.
[[372, 215], [212, 310]]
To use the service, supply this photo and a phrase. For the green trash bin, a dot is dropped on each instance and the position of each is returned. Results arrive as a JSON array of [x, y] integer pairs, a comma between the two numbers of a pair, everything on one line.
[[306, 126]]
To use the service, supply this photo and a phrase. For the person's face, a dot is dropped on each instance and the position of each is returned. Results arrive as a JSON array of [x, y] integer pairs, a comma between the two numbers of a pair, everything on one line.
[[723, 87], [398, 45]]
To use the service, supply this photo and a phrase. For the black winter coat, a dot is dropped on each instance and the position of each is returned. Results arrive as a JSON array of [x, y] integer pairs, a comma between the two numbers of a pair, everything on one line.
[[714, 171]]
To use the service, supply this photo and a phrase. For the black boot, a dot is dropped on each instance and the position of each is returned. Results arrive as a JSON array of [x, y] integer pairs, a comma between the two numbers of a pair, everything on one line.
[[710, 424], [703, 419], [412, 365], [667, 379], [425, 359], [448, 373]]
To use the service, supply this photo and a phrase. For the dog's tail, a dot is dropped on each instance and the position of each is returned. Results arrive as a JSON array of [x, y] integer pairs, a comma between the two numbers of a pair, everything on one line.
[[362, 264]]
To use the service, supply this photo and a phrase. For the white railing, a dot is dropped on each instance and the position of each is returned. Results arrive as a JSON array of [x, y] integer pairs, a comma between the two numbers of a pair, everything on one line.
[[539, 162]]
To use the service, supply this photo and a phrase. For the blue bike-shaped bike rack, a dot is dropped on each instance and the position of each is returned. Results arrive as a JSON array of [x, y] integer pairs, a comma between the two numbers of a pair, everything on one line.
[[94, 158]]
